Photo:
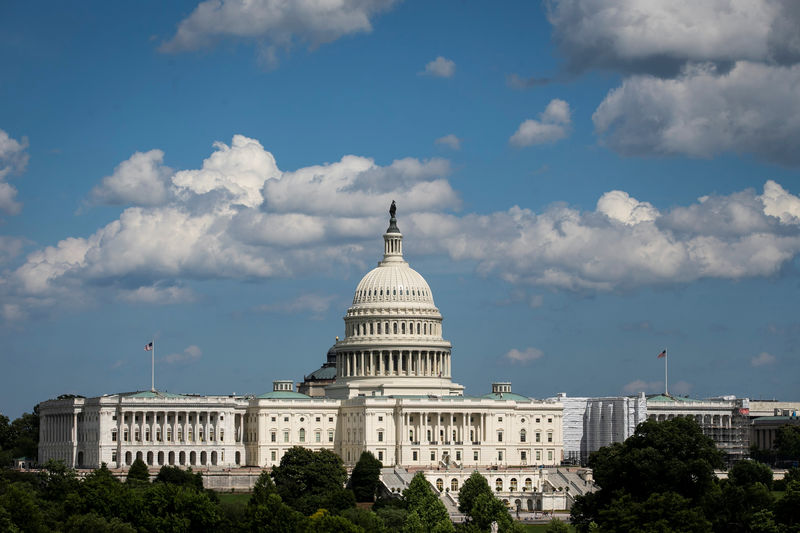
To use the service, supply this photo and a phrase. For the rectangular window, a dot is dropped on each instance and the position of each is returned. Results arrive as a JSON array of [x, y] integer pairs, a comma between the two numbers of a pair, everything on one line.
[[285, 418], [273, 437], [499, 436], [523, 455], [274, 455], [330, 419], [221, 435], [550, 455], [113, 456], [113, 436], [200, 434], [499, 418], [538, 437], [380, 456], [475, 455], [499, 455], [330, 436], [211, 435], [458, 455], [538, 419], [137, 436], [549, 437], [317, 436], [285, 436], [180, 434], [190, 435], [380, 436], [146, 434], [158, 435], [318, 419], [169, 435], [433, 456], [380, 419], [538, 455], [549, 420], [414, 456], [273, 419]]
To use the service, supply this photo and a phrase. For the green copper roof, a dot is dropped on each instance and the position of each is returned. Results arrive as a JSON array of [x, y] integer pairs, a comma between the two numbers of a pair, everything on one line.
[[506, 396], [673, 399], [284, 395]]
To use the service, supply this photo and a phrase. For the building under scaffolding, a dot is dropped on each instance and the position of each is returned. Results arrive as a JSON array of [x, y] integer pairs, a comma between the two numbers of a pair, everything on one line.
[[726, 420]]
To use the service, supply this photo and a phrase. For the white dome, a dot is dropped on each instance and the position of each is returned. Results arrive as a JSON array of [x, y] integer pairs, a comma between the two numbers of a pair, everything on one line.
[[393, 283]]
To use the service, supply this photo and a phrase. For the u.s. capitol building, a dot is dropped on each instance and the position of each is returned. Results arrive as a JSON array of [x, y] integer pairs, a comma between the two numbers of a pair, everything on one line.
[[389, 390]]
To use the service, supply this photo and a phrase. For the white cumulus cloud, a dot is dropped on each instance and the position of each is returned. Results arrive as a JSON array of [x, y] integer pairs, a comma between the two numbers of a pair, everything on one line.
[[449, 140], [189, 355], [524, 356], [274, 23], [553, 125], [753, 108], [660, 37], [762, 359], [13, 160], [139, 180], [441, 67]]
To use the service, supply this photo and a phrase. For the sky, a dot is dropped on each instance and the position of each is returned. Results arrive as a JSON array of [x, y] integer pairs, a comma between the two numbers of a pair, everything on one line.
[[582, 184]]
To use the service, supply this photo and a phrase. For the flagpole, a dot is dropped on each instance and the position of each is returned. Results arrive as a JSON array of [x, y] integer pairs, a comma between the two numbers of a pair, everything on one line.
[[666, 390], [153, 367]]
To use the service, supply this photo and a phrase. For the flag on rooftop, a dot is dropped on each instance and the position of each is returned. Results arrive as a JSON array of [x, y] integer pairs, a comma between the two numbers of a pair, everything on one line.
[[662, 354], [149, 347]]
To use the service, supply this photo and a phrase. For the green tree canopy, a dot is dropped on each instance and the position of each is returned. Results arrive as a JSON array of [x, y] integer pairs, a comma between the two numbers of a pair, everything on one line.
[[475, 485], [423, 503], [138, 472], [670, 456], [307, 480], [365, 477], [745, 473], [177, 476]]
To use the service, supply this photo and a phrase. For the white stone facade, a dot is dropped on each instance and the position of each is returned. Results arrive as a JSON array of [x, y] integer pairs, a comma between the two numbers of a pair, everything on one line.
[[393, 395]]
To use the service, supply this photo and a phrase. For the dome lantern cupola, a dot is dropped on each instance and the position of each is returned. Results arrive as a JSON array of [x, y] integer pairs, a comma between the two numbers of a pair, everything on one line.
[[392, 240]]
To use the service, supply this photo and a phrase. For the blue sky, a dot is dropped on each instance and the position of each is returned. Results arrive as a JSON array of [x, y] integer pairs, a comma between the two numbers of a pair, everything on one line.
[[582, 185]]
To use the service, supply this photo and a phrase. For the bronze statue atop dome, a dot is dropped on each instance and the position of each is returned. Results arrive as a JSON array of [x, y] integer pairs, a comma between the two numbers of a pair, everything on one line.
[[392, 209]]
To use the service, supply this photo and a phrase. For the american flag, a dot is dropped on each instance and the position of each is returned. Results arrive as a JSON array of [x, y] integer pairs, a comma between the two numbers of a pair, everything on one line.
[[662, 354], [149, 347]]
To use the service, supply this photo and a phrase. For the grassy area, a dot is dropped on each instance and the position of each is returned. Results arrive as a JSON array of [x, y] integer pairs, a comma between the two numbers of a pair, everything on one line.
[[238, 498]]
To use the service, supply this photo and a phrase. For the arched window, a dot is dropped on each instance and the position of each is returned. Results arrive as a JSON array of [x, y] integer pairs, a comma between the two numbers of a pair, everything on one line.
[[403, 327], [418, 328], [386, 328], [523, 435], [498, 484], [425, 328], [454, 485], [439, 484], [528, 483], [395, 327], [513, 484], [302, 435], [371, 328], [379, 328]]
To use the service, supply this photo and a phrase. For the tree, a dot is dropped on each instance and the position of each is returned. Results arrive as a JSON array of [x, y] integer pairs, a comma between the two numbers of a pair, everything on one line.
[[25, 434], [308, 480], [365, 477], [556, 526], [426, 505], [177, 476], [138, 472], [787, 442], [475, 485], [659, 458], [745, 473], [666, 511]]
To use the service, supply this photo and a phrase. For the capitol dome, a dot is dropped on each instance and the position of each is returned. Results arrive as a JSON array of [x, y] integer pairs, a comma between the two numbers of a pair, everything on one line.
[[393, 332]]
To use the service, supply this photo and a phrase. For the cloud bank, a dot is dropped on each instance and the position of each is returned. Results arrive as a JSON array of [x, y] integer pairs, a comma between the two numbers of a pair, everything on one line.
[[240, 217], [13, 160], [701, 78], [553, 125]]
